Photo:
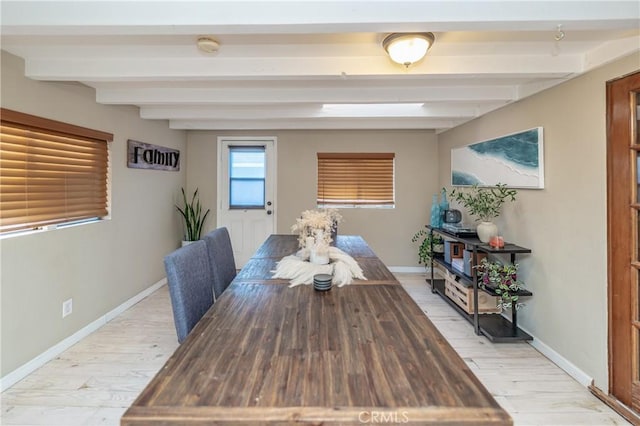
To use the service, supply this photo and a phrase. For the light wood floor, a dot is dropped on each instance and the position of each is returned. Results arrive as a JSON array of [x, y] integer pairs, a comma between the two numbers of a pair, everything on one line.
[[94, 382]]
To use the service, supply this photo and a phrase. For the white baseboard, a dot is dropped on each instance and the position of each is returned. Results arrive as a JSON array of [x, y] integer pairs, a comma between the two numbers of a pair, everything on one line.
[[566, 365], [580, 376], [24, 370]]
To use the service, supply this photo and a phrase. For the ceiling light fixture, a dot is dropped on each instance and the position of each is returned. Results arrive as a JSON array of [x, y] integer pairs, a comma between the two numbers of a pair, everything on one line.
[[407, 48], [207, 44]]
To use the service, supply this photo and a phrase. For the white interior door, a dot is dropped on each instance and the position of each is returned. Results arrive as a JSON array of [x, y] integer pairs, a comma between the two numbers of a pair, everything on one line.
[[246, 192]]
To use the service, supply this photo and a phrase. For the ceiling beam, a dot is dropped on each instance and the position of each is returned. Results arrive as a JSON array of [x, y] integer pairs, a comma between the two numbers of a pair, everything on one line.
[[263, 17], [149, 69], [267, 111], [316, 123], [204, 96]]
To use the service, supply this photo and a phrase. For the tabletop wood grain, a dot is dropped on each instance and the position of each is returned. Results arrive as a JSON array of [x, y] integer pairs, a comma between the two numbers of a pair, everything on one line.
[[269, 354]]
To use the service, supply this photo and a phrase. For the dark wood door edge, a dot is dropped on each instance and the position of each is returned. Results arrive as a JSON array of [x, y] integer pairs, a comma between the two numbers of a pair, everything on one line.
[[615, 405]]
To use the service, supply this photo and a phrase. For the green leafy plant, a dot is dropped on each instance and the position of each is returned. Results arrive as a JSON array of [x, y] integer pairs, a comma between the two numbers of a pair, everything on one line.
[[503, 279], [484, 203], [424, 249], [192, 214]]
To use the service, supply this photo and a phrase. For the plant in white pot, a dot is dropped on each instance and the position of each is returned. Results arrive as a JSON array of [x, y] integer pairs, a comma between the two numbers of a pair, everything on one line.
[[485, 203], [193, 217]]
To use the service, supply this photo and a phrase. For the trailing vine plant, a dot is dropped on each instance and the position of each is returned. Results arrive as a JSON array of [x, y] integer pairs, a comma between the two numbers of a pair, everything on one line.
[[503, 279]]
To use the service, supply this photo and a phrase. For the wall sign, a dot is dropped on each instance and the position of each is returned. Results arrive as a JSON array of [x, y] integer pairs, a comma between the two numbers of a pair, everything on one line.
[[147, 156], [515, 160]]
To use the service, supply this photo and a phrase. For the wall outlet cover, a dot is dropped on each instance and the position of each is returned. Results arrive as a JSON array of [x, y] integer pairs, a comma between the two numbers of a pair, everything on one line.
[[67, 307]]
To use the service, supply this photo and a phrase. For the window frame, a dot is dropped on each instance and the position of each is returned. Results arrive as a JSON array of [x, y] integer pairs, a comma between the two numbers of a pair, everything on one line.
[[382, 192], [18, 122], [247, 148]]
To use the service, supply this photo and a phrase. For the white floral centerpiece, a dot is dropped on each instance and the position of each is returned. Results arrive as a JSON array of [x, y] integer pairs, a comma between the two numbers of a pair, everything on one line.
[[315, 229], [317, 225]]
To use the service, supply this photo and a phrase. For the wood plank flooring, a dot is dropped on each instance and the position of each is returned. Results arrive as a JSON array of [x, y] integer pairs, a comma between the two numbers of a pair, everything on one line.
[[94, 382]]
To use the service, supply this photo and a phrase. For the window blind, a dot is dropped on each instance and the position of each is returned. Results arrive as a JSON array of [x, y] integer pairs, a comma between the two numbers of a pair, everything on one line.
[[50, 172], [357, 179]]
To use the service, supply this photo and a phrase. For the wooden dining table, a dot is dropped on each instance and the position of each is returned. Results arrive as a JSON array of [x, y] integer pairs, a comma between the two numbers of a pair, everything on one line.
[[266, 353]]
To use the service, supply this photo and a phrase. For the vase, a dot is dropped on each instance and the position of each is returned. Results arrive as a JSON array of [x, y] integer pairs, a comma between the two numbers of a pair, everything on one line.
[[486, 230], [334, 233], [436, 217], [319, 255], [444, 206]]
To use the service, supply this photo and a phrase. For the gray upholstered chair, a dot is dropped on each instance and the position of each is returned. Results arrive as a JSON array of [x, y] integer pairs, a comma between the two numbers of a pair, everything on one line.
[[223, 264], [189, 277]]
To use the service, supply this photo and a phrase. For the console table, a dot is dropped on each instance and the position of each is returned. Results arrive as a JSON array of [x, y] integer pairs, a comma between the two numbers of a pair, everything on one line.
[[494, 326]]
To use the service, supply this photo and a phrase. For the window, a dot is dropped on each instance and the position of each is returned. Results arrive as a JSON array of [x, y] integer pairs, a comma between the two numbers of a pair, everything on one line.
[[356, 180], [247, 172], [50, 172]]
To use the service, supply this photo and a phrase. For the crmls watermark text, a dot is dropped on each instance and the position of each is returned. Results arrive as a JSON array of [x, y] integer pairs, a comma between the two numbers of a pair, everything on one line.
[[146, 156], [377, 417]]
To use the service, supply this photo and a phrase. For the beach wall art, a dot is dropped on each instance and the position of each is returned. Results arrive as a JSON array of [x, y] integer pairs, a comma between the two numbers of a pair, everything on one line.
[[515, 160]]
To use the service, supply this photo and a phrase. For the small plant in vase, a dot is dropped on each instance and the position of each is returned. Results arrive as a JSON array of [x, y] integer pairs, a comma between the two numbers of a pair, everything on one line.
[[485, 203], [503, 279], [321, 223], [193, 217], [424, 249], [316, 230]]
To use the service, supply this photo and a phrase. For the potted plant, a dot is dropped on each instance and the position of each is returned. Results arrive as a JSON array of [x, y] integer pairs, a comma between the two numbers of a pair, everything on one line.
[[503, 280], [485, 203], [424, 249], [193, 217]]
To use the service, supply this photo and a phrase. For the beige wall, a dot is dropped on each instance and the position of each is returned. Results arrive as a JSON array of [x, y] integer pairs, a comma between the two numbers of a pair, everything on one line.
[[99, 265], [388, 231], [565, 223]]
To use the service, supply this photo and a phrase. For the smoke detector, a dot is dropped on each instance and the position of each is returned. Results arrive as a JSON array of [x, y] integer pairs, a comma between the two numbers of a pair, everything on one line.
[[207, 44]]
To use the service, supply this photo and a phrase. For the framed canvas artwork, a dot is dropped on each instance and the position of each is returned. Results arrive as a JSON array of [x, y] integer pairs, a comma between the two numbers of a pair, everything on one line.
[[515, 160]]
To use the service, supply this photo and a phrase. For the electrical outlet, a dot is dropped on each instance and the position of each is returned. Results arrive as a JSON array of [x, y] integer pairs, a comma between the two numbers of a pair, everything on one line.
[[67, 307]]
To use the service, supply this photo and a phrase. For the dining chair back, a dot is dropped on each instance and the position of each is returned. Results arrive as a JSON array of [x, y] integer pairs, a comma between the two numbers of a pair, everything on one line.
[[189, 278], [223, 264]]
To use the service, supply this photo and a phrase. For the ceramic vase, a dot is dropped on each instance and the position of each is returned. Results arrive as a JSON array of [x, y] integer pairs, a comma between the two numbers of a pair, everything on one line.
[[318, 250], [486, 230], [319, 256]]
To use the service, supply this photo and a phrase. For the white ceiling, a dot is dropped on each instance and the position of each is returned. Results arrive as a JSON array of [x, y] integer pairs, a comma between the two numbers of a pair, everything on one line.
[[281, 63]]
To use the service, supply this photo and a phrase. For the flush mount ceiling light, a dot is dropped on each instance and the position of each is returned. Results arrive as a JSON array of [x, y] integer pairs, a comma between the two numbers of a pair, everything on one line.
[[207, 44], [407, 48]]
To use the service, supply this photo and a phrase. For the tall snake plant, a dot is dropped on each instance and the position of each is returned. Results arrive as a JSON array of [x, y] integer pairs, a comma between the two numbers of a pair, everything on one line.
[[193, 217]]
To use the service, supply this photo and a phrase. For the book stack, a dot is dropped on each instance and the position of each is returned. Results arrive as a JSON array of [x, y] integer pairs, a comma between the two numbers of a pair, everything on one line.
[[458, 264]]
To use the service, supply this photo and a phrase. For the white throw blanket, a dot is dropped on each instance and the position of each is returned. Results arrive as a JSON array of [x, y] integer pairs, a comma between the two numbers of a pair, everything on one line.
[[299, 270]]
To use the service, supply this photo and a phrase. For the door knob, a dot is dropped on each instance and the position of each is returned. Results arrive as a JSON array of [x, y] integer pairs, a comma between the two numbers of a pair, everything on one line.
[[268, 203], [269, 212]]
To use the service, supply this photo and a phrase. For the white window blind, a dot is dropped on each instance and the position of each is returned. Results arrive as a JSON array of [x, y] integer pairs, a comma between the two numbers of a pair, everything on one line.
[[358, 179], [50, 172]]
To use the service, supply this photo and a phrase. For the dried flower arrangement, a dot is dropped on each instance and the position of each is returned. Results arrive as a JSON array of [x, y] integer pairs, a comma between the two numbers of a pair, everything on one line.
[[317, 224]]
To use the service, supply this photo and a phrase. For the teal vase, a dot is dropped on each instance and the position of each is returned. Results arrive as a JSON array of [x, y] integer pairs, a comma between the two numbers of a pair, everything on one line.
[[436, 214], [444, 204]]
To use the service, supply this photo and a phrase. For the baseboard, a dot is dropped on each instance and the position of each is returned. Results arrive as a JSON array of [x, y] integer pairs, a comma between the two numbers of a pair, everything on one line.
[[409, 269], [24, 370], [580, 376], [566, 365]]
